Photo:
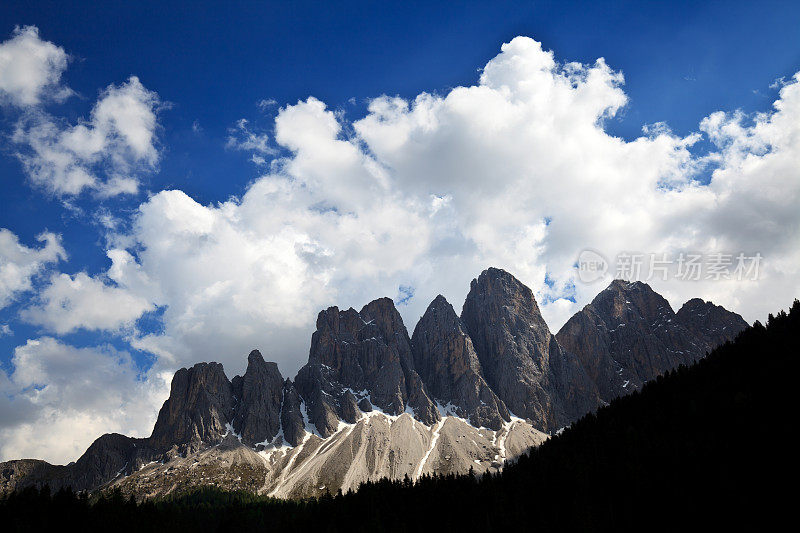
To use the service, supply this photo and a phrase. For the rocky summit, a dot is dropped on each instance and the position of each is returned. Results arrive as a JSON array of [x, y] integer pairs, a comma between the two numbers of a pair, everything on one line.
[[463, 392], [451, 370], [522, 361], [629, 334], [361, 361]]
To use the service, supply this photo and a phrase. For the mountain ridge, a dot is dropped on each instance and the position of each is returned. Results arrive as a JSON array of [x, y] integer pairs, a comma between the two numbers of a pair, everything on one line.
[[463, 392]]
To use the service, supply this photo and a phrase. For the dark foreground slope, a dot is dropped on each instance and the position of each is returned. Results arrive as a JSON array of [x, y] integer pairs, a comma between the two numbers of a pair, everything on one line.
[[701, 446]]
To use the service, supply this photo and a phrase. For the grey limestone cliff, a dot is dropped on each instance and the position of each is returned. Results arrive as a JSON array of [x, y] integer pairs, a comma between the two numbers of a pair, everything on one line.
[[359, 360], [522, 361], [629, 334], [448, 364], [258, 396]]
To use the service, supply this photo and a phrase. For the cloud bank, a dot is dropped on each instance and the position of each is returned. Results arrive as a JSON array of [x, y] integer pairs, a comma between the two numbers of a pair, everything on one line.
[[516, 171], [76, 302], [60, 398], [105, 153]]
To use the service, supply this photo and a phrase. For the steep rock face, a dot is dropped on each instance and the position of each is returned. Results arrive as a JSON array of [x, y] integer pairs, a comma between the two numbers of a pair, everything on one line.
[[383, 314], [448, 364], [199, 407], [324, 399], [108, 456], [292, 422], [586, 335], [521, 360], [629, 334], [258, 395], [711, 324], [361, 358]]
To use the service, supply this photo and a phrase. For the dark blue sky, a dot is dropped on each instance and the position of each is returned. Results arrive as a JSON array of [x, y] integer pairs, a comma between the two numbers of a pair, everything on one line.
[[213, 62], [682, 60]]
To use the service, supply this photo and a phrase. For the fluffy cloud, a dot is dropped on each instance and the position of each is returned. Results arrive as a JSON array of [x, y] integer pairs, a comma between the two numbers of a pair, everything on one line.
[[19, 264], [264, 293], [104, 153], [73, 302], [516, 171], [30, 69], [60, 398], [241, 137]]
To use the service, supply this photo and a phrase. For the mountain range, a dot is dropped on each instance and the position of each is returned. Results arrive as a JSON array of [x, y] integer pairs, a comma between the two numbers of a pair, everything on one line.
[[460, 393]]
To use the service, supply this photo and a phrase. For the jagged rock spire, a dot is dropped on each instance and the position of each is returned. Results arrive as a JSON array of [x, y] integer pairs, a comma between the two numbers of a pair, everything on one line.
[[199, 407], [521, 360], [357, 356], [258, 396], [448, 365], [292, 422]]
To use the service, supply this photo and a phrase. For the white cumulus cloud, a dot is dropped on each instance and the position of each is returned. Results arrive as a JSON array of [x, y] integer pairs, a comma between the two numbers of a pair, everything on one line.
[[19, 264], [76, 302], [59, 398], [31, 69], [105, 153], [516, 171]]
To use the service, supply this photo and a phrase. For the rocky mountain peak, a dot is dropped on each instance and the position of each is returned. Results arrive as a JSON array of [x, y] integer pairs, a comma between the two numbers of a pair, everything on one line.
[[712, 324], [697, 304], [383, 313], [621, 298], [440, 302], [258, 395], [255, 358], [449, 366], [629, 334], [359, 360], [440, 311], [502, 295], [199, 406], [521, 360]]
